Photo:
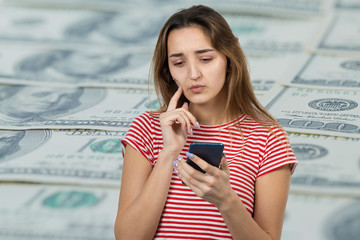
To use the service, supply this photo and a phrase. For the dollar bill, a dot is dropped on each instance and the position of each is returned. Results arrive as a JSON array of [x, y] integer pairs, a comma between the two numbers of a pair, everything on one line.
[[59, 67], [260, 98], [268, 70], [139, 29], [62, 156], [327, 165], [341, 35], [271, 7], [317, 111], [81, 28], [327, 71], [274, 7], [102, 4], [83, 4], [267, 97], [347, 5], [31, 211], [35, 107], [270, 34], [324, 218]]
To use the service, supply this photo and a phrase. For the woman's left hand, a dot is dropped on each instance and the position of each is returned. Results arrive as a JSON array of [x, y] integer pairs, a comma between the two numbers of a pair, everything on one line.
[[213, 186]]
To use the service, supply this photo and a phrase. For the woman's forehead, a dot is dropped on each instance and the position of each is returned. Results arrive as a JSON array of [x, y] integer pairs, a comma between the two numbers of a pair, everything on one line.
[[188, 38]]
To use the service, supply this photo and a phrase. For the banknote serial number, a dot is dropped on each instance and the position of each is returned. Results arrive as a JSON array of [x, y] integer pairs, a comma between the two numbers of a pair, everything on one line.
[[329, 126]]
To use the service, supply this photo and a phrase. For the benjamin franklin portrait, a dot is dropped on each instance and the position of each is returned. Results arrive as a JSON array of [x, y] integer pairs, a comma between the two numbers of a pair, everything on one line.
[[25, 103], [9, 142]]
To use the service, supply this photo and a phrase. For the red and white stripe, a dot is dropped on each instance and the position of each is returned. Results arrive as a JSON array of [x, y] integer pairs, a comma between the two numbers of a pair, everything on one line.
[[251, 153]]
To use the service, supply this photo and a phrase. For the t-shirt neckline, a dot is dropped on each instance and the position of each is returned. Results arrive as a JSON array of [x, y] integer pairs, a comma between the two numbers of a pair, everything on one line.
[[224, 125]]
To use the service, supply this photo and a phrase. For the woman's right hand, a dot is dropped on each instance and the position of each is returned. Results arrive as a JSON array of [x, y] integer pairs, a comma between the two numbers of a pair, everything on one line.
[[176, 124]]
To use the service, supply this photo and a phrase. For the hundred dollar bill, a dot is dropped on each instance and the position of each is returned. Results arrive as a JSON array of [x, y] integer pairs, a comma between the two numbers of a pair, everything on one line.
[[69, 156], [273, 7], [327, 164], [341, 35], [85, 4], [266, 97], [288, 8], [260, 98], [31, 211], [318, 111], [58, 67], [81, 28], [30, 107], [347, 5], [261, 33], [102, 4], [324, 218], [327, 71], [267, 70]]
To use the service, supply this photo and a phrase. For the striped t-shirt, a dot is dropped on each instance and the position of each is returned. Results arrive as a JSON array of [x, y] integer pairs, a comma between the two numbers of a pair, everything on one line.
[[257, 151]]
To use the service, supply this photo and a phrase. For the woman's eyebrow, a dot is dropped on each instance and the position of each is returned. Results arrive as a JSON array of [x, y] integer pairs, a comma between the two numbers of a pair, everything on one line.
[[176, 55], [196, 52], [204, 50]]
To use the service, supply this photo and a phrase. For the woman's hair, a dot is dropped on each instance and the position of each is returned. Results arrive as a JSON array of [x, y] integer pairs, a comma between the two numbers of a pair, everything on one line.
[[240, 95]]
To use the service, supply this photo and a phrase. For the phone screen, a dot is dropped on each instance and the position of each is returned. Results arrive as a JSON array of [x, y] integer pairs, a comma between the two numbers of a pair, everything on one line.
[[210, 152]]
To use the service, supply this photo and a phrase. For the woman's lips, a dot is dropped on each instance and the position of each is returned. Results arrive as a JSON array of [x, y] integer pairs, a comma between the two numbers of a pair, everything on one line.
[[197, 88]]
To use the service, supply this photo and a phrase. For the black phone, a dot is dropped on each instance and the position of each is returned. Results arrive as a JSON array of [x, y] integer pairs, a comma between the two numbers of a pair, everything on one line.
[[210, 152]]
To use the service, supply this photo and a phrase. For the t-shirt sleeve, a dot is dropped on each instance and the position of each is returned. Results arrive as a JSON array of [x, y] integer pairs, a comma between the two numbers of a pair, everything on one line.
[[140, 137], [277, 153]]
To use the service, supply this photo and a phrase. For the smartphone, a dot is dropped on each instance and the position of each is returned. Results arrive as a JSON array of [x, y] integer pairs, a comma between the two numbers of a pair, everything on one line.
[[210, 152]]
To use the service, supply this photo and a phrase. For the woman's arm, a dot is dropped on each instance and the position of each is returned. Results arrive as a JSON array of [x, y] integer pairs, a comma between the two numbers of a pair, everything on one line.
[[143, 194], [270, 200], [144, 189]]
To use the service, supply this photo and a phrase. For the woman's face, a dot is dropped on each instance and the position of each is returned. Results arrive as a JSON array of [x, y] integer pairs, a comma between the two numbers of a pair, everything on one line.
[[196, 65]]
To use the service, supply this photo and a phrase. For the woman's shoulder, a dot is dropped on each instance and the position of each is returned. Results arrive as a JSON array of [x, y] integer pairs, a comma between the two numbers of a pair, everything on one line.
[[150, 117], [261, 125]]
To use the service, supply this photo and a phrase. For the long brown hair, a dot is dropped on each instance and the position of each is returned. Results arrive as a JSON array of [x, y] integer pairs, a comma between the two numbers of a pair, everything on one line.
[[241, 98]]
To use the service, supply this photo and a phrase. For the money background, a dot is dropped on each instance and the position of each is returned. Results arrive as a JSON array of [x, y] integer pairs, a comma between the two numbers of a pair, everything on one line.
[[73, 75]]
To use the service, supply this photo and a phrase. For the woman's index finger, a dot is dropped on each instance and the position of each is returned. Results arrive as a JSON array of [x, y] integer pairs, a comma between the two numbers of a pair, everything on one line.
[[174, 100]]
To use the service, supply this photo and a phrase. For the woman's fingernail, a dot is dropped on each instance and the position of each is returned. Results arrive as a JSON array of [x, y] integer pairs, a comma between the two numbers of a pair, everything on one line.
[[224, 155], [190, 155], [179, 158], [198, 124], [175, 163], [191, 131], [185, 130], [176, 171]]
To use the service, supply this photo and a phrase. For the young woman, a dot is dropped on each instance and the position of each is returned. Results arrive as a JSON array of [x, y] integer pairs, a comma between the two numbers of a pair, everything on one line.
[[201, 75]]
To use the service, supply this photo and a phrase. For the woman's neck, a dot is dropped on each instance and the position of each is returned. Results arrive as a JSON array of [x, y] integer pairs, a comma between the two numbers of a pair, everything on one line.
[[209, 114], [213, 112]]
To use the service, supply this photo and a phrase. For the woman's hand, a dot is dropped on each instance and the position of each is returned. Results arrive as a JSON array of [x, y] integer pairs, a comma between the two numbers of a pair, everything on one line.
[[213, 186], [176, 124]]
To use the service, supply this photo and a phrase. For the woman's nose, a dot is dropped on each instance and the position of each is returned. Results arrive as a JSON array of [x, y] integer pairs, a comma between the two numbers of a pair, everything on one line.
[[194, 72]]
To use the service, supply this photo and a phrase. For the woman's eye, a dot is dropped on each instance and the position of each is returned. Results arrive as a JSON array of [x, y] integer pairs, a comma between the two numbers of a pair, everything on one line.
[[178, 63], [206, 59]]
